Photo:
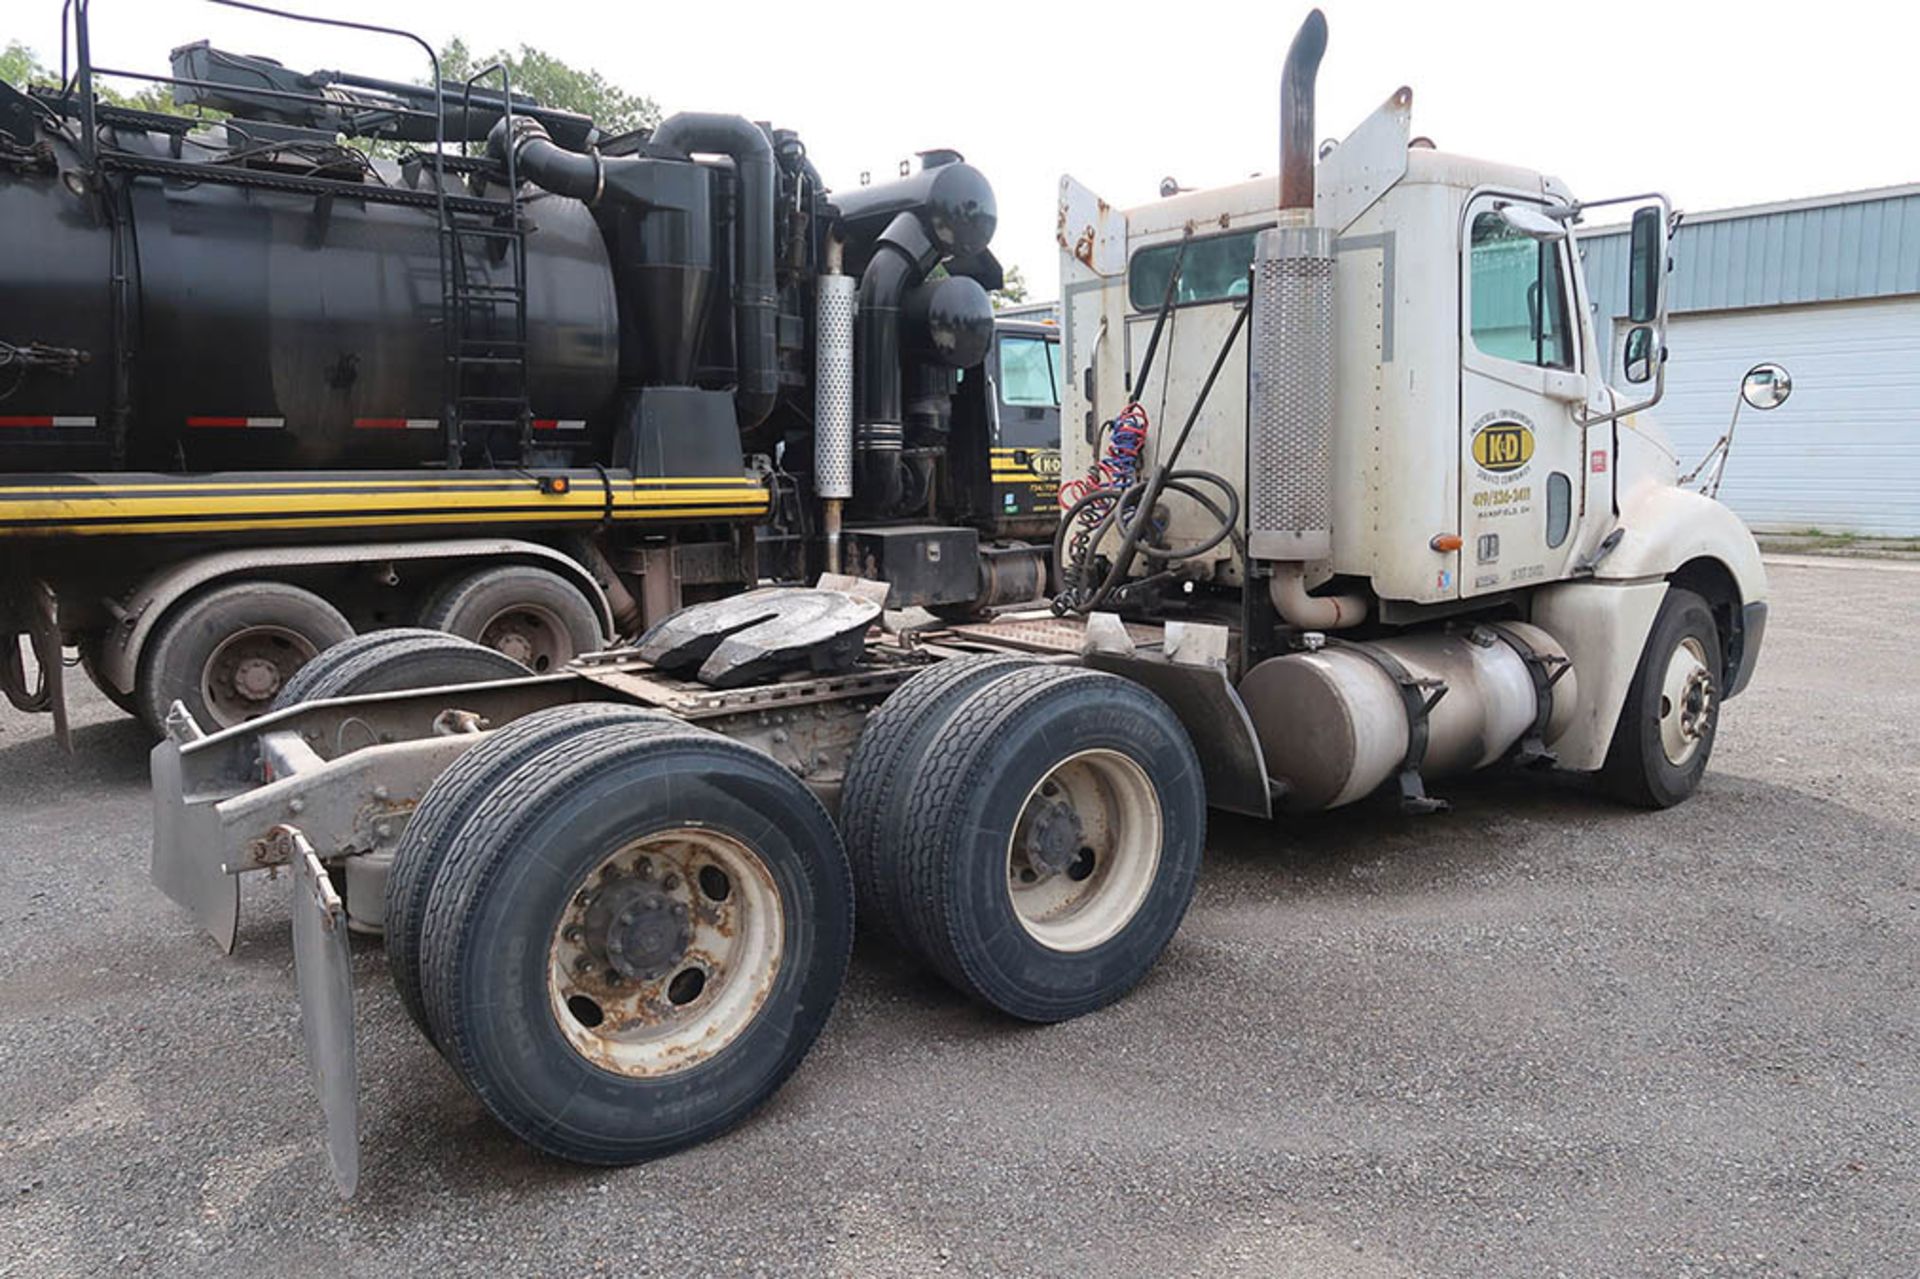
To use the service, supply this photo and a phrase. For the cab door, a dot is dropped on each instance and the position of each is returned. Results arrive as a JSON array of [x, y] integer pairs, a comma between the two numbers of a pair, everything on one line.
[[1521, 384]]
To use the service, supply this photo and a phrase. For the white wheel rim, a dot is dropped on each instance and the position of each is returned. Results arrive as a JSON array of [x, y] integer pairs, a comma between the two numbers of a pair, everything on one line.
[[666, 952], [1110, 862], [1686, 702]]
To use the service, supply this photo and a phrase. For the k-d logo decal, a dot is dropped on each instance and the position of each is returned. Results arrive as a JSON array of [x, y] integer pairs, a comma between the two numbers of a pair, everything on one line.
[[1503, 446]]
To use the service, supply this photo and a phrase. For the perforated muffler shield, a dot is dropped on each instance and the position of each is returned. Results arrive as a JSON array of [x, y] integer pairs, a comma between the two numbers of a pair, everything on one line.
[[1290, 396]]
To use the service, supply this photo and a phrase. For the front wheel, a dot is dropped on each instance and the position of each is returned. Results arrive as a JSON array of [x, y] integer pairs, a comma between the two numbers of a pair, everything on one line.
[[1667, 726]]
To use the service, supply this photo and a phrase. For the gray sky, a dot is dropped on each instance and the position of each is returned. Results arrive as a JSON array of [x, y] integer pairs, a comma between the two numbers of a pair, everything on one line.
[[1717, 104]]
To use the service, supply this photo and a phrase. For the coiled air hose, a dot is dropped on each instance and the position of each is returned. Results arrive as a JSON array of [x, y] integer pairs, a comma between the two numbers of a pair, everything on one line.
[[1100, 506]]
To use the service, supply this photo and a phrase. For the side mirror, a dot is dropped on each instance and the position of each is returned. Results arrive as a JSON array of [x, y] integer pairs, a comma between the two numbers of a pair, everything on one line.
[[1640, 354], [1647, 267], [1766, 386]]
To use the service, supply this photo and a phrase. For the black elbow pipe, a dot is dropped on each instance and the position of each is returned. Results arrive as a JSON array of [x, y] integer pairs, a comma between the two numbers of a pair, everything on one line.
[[546, 164], [755, 308], [585, 177], [902, 256], [1296, 112]]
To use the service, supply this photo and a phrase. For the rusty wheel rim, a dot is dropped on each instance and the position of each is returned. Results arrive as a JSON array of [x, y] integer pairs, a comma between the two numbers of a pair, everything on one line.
[[666, 952], [1084, 850], [244, 672], [531, 635]]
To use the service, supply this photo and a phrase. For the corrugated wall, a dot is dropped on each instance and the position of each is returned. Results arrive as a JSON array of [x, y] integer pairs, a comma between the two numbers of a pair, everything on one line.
[[1863, 248], [1833, 292]]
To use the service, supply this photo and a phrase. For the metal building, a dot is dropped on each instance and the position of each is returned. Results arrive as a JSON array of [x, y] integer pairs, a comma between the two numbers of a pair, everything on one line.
[[1829, 287]]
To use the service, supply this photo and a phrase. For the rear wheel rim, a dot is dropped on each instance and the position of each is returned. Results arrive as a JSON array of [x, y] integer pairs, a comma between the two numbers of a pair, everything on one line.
[[666, 952], [246, 669], [1687, 702], [1084, 851], [531, 635]]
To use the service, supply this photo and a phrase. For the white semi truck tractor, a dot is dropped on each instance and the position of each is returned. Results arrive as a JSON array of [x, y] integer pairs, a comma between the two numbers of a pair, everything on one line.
[[1454, 539], [1350, 507]]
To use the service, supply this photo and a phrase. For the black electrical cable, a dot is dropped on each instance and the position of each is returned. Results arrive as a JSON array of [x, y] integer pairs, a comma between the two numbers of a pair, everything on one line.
[[13, 679], [1142, 498]]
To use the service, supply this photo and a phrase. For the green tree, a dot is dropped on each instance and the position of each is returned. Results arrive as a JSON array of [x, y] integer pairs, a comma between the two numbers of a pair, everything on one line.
[[535, 72], [554, 83], [1012, 290], [21, 66]]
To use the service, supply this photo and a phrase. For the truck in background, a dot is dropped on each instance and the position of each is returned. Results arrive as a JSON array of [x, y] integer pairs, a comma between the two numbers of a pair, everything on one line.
[[529, 383]]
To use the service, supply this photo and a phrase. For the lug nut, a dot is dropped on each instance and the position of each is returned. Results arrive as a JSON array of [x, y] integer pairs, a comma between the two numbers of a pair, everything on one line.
[[670, 883]]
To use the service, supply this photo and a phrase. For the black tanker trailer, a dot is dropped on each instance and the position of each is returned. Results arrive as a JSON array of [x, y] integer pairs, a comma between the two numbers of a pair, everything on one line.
[[348, 353]]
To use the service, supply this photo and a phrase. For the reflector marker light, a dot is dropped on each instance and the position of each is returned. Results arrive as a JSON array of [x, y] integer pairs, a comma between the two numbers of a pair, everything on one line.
[[257, 423]]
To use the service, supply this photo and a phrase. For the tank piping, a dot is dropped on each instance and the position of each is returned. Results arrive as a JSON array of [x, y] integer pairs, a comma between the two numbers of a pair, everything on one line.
[[1296, 112], [584, 177], [901, 257], [754, 304], [1288, 589], [546, 164]]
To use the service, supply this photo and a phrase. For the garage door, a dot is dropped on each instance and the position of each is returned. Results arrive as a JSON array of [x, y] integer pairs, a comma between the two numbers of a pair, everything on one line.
[[1843, 454]]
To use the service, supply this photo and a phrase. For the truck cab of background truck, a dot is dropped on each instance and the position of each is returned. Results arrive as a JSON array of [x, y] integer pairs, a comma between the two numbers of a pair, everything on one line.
[[1480, 458]]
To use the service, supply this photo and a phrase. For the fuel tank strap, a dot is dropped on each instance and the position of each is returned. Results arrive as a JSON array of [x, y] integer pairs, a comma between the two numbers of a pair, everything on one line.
[[1420, 696], [1545, 669]]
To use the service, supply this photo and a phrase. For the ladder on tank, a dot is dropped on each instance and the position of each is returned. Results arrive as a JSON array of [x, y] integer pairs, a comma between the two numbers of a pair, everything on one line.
[[486, 320]]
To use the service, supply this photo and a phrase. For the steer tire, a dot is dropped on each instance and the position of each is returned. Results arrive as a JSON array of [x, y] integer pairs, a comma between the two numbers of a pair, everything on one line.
[[439, 817], [1641, 768], [298, 689], [542, 847], [537, 617], [275, 627], [1038, 945], [879, 789]]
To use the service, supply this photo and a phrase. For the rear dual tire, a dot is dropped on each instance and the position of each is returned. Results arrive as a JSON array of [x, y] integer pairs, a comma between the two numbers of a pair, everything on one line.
[[730, 940], [533, 616], [227, 653], [1044, 838]]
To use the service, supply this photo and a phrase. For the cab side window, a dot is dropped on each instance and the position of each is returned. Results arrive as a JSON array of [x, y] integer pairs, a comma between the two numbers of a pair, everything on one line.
[[1519, 296], [1029, 372]]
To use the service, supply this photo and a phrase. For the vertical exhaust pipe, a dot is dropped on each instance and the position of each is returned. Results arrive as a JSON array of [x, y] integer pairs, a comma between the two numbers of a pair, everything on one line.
[[1296, 112], [1290, 383]]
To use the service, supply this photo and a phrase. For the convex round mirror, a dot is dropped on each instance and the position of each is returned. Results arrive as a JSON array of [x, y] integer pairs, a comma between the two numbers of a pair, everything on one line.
[[1766, 386]]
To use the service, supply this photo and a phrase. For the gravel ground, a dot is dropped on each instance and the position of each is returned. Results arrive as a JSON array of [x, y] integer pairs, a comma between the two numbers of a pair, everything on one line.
[[1540, 1035]]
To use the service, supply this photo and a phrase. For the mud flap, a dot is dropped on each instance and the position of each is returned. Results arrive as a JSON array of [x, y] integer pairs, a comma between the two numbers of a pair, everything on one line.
[[186, 862], [323, 970], [1215, 718]]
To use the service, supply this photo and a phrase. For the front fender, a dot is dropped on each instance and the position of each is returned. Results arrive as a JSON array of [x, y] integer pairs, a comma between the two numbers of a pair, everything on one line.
[[1666, 527]]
